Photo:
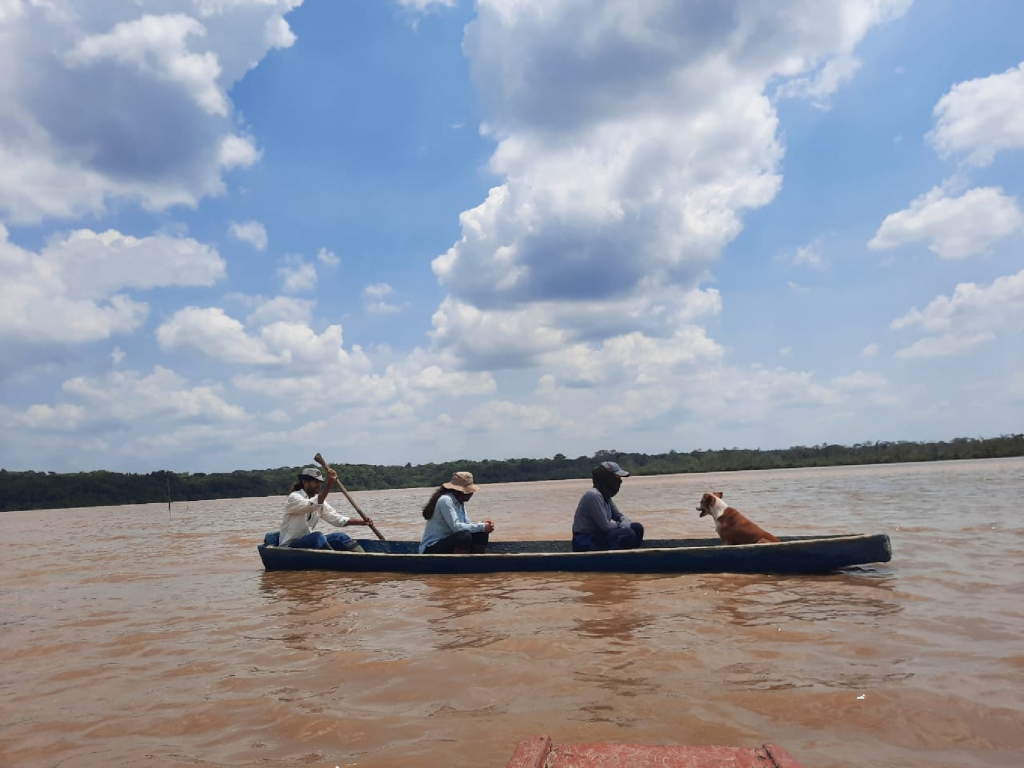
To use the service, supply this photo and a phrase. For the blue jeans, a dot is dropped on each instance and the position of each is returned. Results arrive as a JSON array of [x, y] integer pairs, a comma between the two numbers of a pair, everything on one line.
[[316, 540], [617, 538]]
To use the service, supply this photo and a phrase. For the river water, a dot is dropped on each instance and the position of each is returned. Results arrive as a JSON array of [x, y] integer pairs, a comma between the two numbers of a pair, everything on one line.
[[138, 636]]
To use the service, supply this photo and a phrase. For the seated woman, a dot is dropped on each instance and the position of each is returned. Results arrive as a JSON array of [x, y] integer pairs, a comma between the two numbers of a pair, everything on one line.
[[598, 524], [448, 530]]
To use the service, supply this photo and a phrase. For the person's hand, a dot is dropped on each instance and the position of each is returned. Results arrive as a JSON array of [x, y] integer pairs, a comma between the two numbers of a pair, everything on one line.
[[488, 526], [367, 521], [332, 478]]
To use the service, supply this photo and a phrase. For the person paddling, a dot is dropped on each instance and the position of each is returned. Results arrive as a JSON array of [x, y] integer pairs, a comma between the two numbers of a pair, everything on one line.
[[306, 506]]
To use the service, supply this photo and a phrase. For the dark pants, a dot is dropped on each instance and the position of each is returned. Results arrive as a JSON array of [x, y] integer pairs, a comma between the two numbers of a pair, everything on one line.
[[617, 538], [316, 540], [461, 543]]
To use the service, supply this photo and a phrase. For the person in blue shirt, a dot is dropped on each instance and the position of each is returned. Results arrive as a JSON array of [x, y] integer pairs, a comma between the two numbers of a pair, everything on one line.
[[448, 530], [598, 524]]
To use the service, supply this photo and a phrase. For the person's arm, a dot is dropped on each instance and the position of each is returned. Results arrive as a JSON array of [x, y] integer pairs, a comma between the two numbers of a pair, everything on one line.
[[446, 506], [592, 508], [620, 519], [332, 516]]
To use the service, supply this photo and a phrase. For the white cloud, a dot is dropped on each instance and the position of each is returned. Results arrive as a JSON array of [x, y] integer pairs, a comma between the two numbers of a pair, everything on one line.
[[949, 345], [378, 291], [60, 418], [158, 46], [500, 415], [327, 257], [286, 308], [956, 227], [251, 232], [106, 102], [237, 152], [425, 5], [978, 118], [374, 297], [74, 289], [631, 140], [972, 316], [809, 255], [214, 333], [125, 397], [296, 275], [871, 350], [823, 83], [732, 396]]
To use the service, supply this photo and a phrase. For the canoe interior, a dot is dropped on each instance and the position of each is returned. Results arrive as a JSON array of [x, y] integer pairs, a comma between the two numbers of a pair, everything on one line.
[[793, 554]]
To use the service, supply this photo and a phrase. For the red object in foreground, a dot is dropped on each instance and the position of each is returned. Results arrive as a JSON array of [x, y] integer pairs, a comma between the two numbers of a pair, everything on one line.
[[539, 752]]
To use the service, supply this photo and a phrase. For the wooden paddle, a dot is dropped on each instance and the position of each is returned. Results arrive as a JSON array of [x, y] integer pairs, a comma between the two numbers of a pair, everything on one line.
[[320, 460]]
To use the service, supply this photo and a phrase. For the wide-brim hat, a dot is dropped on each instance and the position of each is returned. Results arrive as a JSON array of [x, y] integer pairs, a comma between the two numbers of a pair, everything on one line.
[[312, 473], [462, 481]]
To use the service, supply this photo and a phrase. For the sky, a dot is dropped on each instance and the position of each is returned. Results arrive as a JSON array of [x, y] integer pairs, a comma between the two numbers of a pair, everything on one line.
[[234, 233]]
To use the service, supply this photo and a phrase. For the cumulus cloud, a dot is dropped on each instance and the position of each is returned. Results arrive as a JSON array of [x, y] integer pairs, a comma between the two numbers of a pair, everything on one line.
[[251, 232], [520, 337], [425, 5], [286, 308], [325, 256], [955, 227], [109, 100], [823, 83], [157, 46], [125, 397], [212, 332], [809, 255], [972, 316], [980, 117], [296, 274], [631, 138], [375, 298], [76, 288], [497, 415]]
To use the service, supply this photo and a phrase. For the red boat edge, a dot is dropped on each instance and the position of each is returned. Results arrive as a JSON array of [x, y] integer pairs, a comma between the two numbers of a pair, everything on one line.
[[539, 752]]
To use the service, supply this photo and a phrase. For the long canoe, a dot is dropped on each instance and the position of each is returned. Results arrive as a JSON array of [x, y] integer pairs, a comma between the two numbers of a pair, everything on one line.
[[793, 554]]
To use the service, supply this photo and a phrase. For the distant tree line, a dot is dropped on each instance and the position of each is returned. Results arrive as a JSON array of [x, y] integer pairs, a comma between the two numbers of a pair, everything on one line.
[[52, 490]]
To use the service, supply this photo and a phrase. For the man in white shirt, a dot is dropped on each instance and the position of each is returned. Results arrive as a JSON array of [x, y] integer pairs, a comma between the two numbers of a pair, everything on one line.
[[306, 506]]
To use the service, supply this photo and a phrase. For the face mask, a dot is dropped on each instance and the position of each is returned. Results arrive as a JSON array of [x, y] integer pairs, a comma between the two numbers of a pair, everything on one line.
[[607, 484]]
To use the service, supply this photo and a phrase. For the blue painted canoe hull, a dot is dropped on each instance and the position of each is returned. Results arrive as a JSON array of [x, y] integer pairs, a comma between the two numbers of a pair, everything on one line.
[[794, 554]]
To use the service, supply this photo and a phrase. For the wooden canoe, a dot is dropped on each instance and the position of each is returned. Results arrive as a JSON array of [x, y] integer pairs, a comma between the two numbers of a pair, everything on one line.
[[793, 554]]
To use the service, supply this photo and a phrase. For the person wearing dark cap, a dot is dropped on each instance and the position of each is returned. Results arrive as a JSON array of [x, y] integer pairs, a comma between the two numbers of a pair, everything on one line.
[[306, 506], [449, 530], [598, 524]]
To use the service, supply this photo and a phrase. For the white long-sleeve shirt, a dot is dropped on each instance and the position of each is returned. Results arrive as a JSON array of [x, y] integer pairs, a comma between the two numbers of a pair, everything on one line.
[[301, 514]]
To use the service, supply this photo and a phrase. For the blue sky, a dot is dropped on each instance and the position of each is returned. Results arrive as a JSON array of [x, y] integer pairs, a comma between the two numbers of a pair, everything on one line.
[[237, 232]]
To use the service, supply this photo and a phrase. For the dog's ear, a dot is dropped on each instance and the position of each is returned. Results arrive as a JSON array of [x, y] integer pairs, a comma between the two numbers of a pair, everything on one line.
[[718, 494]]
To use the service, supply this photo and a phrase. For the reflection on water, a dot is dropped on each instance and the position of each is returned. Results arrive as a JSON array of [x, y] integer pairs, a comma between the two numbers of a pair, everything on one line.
[[751, 602], [610, 607]]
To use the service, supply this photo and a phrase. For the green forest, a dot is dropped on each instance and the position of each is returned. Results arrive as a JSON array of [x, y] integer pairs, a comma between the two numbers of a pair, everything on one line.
[[52, 490]]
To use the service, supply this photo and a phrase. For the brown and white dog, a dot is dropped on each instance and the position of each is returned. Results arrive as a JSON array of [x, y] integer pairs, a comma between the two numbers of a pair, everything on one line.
[[732, 527]]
